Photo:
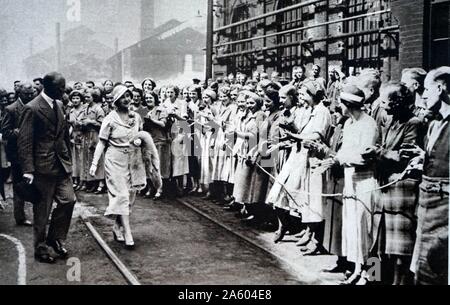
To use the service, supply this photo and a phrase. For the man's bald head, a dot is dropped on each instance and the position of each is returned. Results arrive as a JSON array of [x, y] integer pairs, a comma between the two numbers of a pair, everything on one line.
[[54, 85], [26, 92]]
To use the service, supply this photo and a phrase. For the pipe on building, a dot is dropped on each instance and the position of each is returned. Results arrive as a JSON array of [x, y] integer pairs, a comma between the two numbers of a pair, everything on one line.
[[302, 28], [292, 7], [368, 32], [209, 40]]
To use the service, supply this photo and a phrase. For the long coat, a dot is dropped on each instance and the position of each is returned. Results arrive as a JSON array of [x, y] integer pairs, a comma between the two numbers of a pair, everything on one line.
[[399, 202], [222, 168], [246, 176]]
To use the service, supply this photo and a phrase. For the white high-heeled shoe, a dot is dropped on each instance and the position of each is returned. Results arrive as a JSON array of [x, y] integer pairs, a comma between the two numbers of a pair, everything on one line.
[[118, 235], [129, 242]]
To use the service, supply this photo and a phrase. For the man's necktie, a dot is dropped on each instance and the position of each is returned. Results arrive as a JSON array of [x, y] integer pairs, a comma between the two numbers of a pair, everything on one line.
[[55, 110]]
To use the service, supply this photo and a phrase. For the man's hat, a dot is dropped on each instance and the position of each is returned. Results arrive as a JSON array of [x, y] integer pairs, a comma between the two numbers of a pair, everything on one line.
[[28, 192]]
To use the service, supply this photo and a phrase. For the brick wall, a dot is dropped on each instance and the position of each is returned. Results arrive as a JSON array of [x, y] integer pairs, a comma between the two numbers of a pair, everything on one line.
[[410, 15]]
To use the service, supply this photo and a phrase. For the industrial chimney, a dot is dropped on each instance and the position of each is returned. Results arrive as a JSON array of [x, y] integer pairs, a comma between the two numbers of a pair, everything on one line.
[[147, 18]]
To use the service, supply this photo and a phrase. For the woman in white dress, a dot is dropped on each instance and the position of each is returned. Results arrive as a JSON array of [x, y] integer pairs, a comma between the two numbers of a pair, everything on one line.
[[359, 136]]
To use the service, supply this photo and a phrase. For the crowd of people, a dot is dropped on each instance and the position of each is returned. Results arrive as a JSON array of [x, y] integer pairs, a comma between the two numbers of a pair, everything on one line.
[[353, 167]]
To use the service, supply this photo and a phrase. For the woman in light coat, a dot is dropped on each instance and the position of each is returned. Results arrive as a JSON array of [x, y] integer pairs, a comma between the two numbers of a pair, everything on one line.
[[124, 162]]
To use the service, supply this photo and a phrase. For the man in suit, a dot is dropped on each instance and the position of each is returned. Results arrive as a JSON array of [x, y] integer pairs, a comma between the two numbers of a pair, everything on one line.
[[10, 131], [45, 158]]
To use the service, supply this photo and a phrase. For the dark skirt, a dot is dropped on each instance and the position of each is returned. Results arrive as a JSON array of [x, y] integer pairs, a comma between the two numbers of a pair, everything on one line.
[[164, 152], [195, 157], [259, 183], [333, 218], [88, 146]]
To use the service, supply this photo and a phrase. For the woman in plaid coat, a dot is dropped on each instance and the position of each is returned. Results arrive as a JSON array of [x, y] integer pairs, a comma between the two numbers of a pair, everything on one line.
[[398, 203]]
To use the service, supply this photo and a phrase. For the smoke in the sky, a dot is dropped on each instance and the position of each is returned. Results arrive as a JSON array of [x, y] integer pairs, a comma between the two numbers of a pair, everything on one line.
[[28, 26]]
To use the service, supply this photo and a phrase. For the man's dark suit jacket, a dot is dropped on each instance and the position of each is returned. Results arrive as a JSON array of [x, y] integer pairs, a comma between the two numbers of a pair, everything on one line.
[[43, 141], [10, 129]]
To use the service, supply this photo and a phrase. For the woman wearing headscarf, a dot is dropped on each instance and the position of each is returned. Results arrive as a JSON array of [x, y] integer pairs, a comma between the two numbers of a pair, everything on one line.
[[91, 121], [74, 120], [124, 168], [399, 202]]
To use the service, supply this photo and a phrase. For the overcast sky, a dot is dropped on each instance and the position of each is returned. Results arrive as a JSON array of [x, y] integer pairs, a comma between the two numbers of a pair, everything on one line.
[[29, 25]]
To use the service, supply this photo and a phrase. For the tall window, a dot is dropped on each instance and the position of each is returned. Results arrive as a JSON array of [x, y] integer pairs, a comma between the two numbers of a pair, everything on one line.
[[439, 34]]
